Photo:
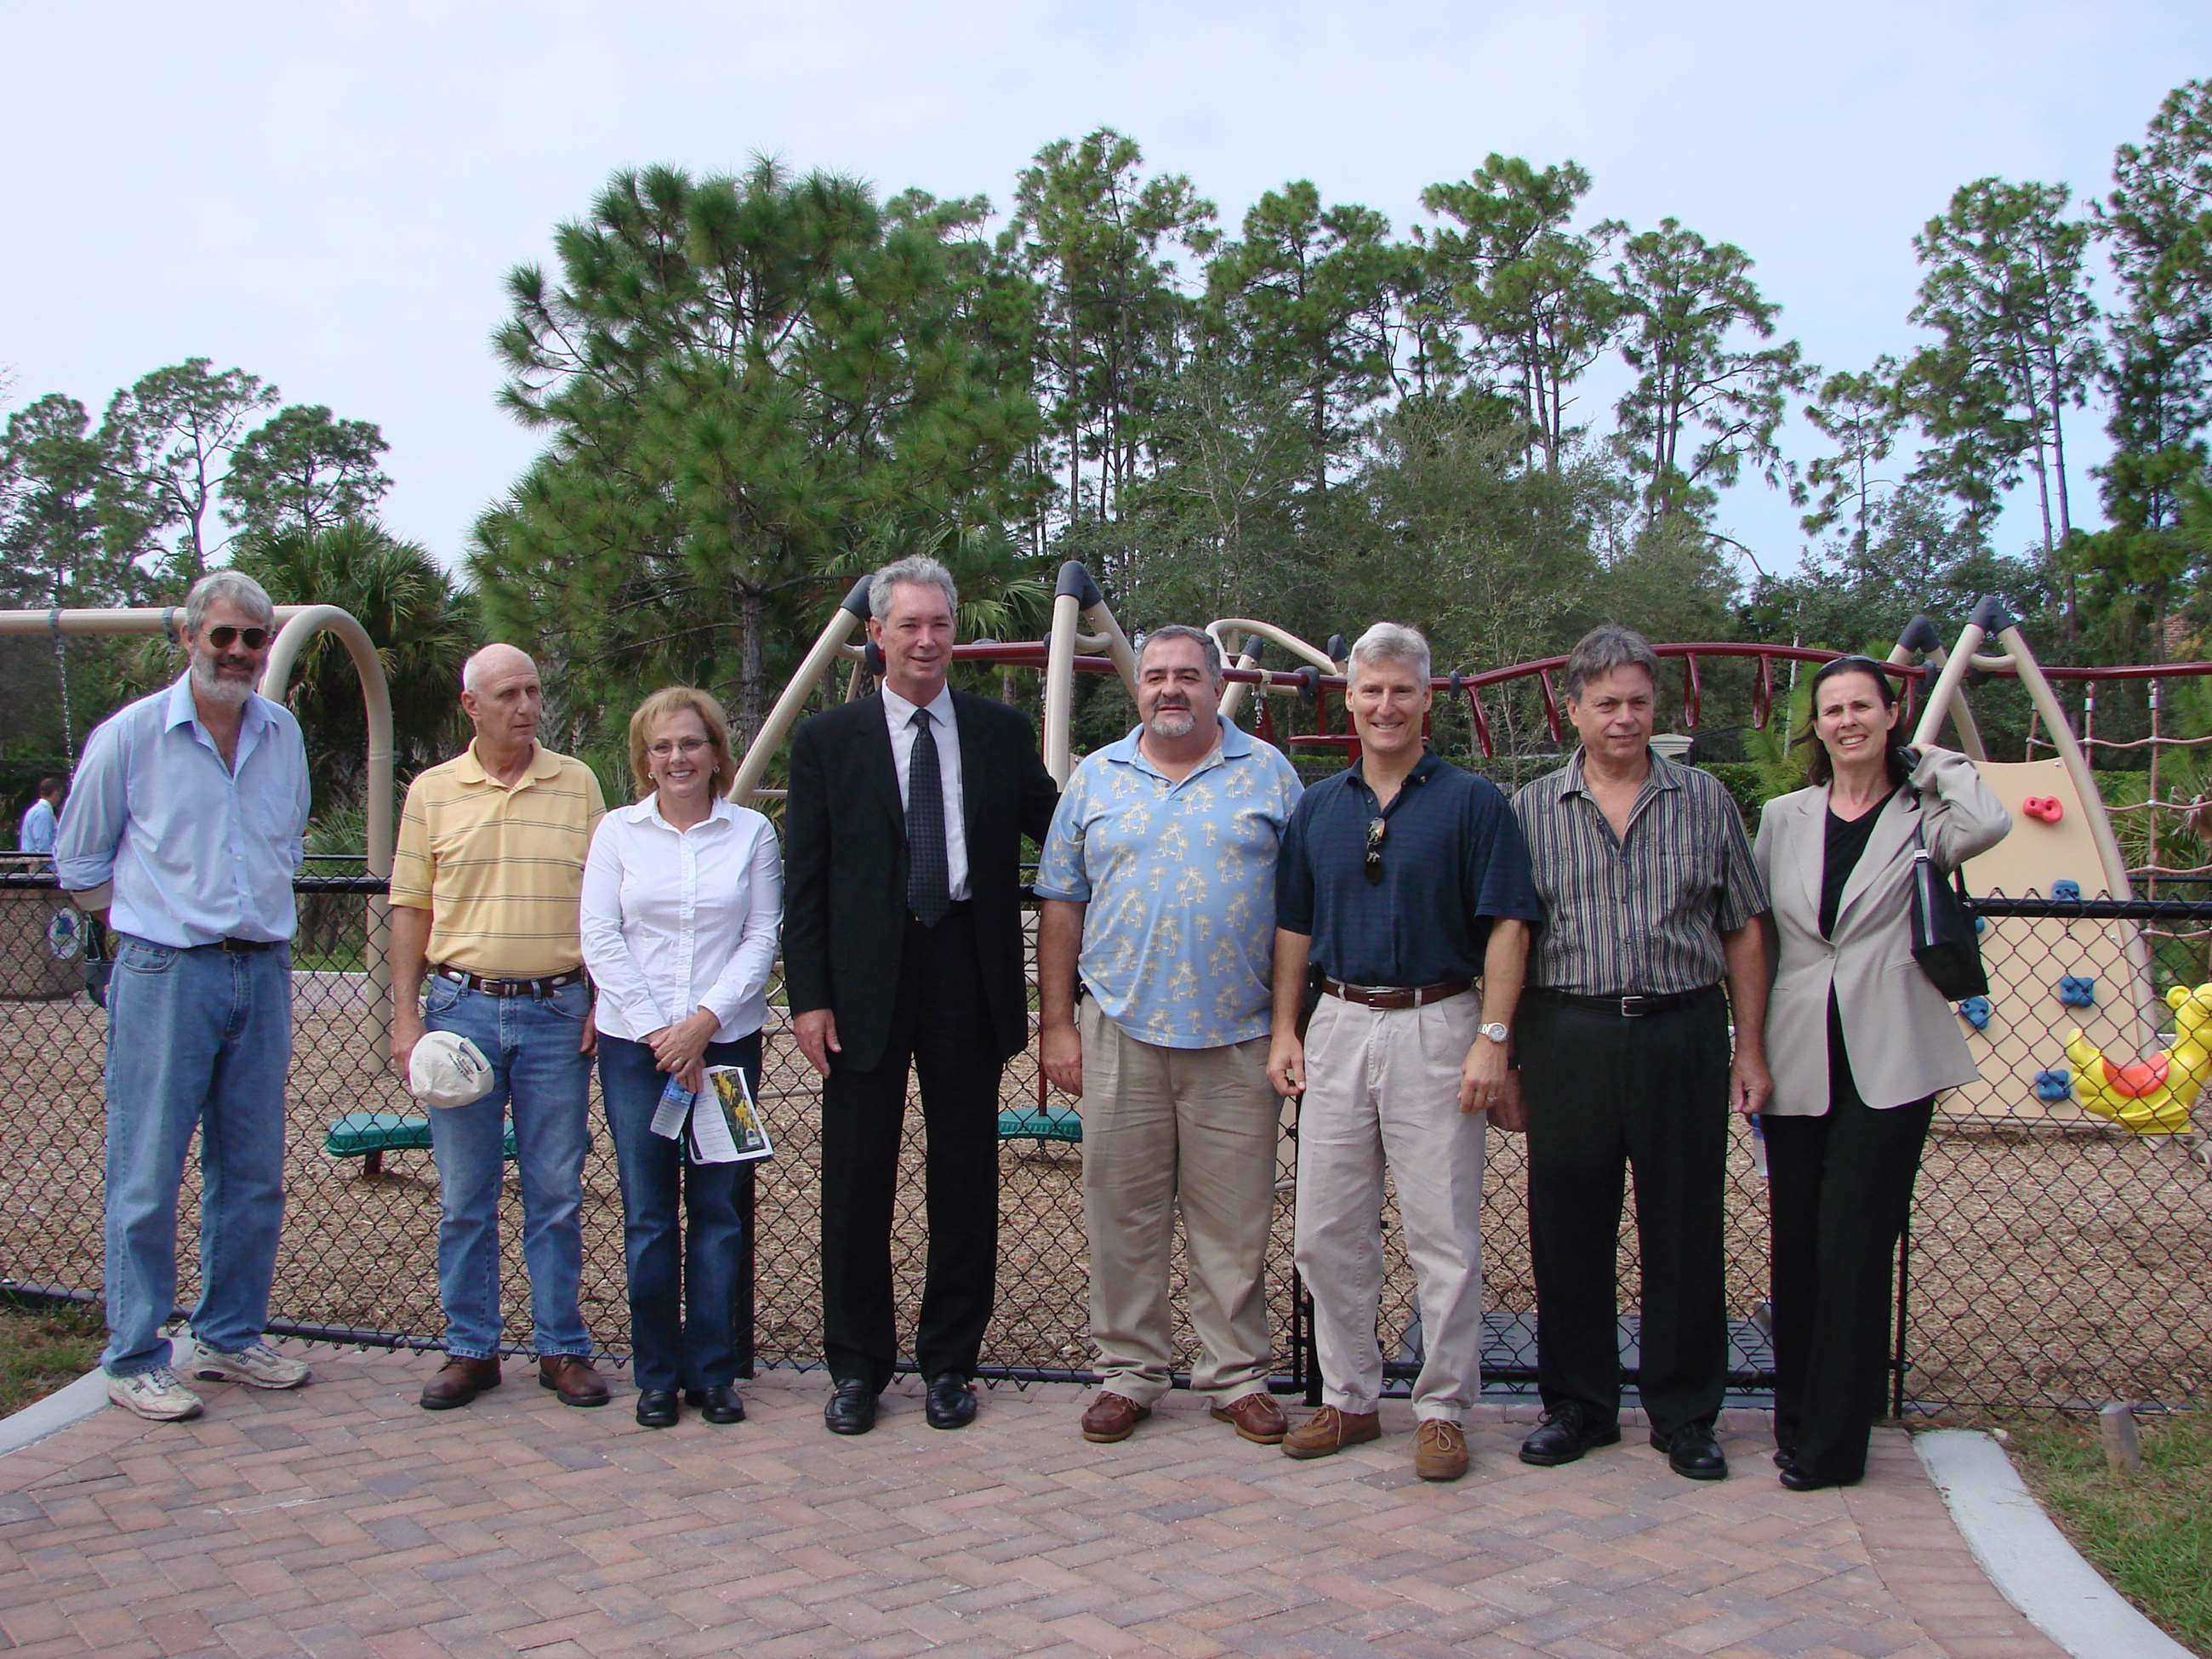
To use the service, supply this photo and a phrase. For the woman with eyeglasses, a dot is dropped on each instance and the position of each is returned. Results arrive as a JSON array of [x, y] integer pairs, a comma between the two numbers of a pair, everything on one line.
[[683, 897], [1859, 1043]]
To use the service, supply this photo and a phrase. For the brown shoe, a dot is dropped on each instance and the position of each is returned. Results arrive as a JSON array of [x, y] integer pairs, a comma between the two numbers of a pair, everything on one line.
[[1257, 1417], [1329, 1429], [571, 1377], [1439, 1450], [1113, 1416], [458, 1382]]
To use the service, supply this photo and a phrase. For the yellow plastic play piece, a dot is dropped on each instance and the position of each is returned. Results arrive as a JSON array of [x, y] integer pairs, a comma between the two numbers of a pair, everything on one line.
[[2150, 1096]]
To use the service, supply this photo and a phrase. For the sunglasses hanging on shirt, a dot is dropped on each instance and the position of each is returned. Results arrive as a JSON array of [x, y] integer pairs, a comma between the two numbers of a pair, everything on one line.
[[1376, 827]]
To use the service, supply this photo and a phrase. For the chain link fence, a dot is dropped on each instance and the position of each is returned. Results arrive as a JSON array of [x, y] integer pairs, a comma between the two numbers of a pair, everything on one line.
[[2056, 1257]]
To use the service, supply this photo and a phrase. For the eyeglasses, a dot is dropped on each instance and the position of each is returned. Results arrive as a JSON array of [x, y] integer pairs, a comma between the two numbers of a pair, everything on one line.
[[1376, 827], [223, 634], [686, 747]]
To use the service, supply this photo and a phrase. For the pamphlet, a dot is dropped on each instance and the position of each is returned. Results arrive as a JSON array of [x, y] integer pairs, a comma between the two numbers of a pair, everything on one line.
[[726, 1127]]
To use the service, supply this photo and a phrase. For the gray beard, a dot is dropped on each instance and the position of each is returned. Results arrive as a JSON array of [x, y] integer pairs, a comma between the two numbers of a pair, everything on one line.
[[215, 688], [1174, 723]]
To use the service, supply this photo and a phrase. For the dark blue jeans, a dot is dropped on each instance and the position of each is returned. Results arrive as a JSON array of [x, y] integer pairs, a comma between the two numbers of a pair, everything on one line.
[[683, 1281]]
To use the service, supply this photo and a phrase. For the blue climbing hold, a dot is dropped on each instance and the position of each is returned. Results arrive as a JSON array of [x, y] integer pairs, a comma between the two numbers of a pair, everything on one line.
[[2054, 1085], [1981, 924], [2069, 891], [2078, 990], [1976, 1011]]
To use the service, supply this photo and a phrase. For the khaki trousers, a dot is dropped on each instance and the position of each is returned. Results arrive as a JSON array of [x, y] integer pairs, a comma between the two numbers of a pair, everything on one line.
[[1383, 1086], [1163, 1128]]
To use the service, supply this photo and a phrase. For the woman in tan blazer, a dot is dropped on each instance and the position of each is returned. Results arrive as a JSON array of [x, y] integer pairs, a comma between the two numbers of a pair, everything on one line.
[[1859, 1042]]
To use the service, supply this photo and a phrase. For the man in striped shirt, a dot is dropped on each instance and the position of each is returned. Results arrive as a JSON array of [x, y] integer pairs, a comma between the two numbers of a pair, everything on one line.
[[1650, 902], [485, 896]]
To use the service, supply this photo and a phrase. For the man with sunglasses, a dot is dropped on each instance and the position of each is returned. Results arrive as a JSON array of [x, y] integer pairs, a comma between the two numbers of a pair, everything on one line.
[[486, 885], [1403, 884], [1160, 865], [184, 831]]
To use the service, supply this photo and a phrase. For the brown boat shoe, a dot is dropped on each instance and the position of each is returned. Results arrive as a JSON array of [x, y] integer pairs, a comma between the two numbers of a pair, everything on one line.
[[1439, 1450], [1329, 1429], [1112, 1417], [1256, 1417]]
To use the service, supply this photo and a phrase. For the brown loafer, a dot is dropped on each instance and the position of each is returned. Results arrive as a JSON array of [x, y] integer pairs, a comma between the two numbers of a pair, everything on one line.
[[1113, 1416], [571, 1377], [1329, 1429], [1257, 1417], [1439, 1450], [458, 1382]]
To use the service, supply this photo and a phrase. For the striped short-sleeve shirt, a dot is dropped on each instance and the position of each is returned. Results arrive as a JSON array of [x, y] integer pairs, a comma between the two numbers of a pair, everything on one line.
[[500, 869], [1642, 913]]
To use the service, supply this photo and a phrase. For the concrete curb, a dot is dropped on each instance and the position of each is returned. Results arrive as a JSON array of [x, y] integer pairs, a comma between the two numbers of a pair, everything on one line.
[[71, 1403], [2028, 1558]]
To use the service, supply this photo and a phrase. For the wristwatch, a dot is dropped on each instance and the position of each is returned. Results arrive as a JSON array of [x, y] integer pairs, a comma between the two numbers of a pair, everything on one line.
[[1497, 1031]]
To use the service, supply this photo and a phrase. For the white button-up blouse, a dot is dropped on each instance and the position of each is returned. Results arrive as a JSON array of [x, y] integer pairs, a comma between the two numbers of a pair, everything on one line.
[[675, 921]]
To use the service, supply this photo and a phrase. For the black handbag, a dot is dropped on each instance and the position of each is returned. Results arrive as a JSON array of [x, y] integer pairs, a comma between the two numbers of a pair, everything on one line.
[[1943, 940]]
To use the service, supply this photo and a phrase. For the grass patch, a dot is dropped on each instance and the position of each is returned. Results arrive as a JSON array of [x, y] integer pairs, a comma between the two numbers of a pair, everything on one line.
[[2150, 1533], [42, 1347]]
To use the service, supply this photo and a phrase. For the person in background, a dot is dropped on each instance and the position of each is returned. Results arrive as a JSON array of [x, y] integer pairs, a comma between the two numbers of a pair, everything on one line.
[[1861, 1042], [41, 820], [184, 833], [682, 895]]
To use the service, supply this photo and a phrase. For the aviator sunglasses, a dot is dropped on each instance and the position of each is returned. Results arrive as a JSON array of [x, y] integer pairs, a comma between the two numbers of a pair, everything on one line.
[[223, 634], [1376, 827]]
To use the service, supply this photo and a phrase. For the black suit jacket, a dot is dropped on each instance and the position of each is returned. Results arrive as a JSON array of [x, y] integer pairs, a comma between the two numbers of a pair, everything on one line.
[[844, 862]]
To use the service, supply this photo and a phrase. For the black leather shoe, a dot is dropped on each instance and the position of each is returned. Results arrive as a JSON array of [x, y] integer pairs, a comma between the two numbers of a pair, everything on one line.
[[1798, 1479], [719, 1404], [852, 1408], [950, 1403], [1692, 1452], [656, 1408], [1567, 1432]]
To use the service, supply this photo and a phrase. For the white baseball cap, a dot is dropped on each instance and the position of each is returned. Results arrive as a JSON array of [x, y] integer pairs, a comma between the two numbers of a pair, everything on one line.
[[447, 1070]]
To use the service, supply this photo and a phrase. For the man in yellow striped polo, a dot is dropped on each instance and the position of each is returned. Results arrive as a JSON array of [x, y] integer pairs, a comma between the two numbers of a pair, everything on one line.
[[484, 892]]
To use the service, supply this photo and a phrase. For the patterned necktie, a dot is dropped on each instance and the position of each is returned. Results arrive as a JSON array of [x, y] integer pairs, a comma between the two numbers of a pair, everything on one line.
[[928, 868]]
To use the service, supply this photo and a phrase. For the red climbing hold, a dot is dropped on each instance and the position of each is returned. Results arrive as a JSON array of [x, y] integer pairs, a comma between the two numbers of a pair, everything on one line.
[[2045, 809]]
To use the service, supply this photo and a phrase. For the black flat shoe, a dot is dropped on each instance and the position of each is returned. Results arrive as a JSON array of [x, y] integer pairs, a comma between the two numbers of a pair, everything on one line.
[[950, 1403], [852, 1408], [656, 1408], [1692, 1452], [719, 1404], [1567, 1432]]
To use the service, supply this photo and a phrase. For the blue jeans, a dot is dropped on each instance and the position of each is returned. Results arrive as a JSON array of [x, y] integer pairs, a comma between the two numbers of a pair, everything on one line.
[[539, 1075], [195, 1038], [682, 1301]]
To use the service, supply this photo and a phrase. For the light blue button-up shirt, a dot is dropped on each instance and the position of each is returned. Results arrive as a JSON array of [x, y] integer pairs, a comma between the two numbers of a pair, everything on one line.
[[37, 834], [198, 851], [1179, 882]]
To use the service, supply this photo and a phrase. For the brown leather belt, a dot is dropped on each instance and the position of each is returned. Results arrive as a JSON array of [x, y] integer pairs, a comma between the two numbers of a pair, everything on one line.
[[543, 986], [1396, 996]]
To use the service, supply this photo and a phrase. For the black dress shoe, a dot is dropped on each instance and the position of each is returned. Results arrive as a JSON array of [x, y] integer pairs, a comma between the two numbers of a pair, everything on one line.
[[719, 1404], [1799, 1479], [950, 1403], [1567, 1432], [656, 1408], [852, 1408], [1692, 1452]]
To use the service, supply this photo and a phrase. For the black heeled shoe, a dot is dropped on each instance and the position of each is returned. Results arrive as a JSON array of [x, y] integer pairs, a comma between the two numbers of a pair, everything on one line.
[[656, 1408]]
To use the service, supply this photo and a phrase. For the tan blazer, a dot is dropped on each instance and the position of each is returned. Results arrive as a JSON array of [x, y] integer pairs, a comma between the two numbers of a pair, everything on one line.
[[1902, 1037]]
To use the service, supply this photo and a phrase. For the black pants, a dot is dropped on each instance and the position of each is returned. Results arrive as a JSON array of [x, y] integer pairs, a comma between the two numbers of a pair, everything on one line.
[[939, 1026], [1607, 1095], [1840, 1187]]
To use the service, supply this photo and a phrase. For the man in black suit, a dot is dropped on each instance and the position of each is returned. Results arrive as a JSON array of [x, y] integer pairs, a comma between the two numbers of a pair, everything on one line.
[[903, 946]]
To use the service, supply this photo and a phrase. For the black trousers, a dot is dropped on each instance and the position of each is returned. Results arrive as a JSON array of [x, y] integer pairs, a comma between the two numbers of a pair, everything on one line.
[[941, 1028], [1606, 1095], [1840, 1187]]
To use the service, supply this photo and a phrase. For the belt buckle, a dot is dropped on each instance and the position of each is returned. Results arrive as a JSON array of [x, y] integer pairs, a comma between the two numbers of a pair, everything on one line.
[[1631, 1007]]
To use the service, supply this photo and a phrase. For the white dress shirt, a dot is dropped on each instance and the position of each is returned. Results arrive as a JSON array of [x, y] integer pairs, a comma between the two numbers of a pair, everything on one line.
[[900, 713], [678, 920]]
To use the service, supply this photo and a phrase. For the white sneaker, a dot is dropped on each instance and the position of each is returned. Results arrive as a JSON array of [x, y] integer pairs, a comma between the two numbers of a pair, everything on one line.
[[257, 1365], [156, 1395]]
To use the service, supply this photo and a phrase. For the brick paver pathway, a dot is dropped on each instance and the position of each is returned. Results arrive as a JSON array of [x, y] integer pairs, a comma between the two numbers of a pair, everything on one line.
[[344, 1523]]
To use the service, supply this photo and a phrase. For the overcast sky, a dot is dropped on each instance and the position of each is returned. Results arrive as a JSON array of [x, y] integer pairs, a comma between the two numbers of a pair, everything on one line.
[[330, 195]]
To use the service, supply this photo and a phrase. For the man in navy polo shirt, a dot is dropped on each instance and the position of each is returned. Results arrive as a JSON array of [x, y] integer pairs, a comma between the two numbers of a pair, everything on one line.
[[1403, 881]]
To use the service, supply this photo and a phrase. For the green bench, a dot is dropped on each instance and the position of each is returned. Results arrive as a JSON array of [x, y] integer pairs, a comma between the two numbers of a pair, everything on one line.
[[1040, 1123], [369, 1135]]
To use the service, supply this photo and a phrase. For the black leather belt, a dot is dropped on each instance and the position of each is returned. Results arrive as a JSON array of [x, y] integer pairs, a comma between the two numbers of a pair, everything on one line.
[[1627, 1004], [545, 986], [1396, 996], [241, 947]]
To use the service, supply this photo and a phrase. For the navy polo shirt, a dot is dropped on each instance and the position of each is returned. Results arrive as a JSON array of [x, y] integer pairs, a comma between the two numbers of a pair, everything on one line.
[[1453, 859]]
